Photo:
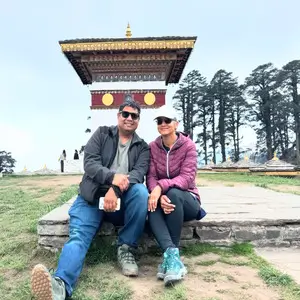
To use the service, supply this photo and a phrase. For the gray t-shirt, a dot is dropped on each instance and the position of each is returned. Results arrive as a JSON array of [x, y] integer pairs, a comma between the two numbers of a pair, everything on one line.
[[120, 163]]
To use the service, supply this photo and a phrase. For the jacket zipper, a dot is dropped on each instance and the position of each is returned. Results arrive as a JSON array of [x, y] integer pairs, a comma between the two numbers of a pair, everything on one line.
[[167, 165]]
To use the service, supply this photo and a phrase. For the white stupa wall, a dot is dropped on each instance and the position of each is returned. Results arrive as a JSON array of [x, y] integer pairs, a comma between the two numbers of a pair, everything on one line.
[[147, 128]]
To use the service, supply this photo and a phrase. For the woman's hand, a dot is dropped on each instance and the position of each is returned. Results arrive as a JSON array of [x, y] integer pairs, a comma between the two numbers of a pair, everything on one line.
[[166, 204], [153, 198]]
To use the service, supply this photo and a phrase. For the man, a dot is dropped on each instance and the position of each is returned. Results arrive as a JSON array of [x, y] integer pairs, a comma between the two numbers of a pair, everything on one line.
[[115, 163]]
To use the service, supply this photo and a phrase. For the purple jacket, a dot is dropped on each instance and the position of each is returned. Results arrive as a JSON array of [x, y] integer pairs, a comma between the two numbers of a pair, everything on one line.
[[176, 169]]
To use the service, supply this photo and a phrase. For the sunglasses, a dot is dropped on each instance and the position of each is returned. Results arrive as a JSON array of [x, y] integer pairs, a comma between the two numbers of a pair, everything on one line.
[[125, 114], [160, 120]]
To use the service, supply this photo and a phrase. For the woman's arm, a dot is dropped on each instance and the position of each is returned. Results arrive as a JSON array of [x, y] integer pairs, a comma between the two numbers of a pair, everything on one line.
[[187, 174]]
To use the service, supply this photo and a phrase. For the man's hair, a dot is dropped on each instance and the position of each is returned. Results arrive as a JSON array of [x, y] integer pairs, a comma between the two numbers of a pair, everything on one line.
[[130, 103]]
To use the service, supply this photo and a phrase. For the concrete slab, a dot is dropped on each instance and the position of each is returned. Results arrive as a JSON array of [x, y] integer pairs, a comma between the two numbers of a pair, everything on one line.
[[287, 260], [249, 203]]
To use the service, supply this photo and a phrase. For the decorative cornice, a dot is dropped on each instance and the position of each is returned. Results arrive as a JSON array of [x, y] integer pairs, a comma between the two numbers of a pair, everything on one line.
[[144, 91], [127, 45]]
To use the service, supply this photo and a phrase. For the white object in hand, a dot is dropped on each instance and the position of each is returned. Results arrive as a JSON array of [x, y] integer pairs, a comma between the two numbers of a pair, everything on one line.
[[101, 203]]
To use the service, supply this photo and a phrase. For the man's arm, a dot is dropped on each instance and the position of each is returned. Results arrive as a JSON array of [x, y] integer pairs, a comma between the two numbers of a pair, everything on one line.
[[140, 168], [93, 162]]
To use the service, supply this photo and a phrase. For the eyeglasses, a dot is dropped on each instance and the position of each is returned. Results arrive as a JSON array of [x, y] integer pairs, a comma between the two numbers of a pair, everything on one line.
[[160, 120], [125, 114]]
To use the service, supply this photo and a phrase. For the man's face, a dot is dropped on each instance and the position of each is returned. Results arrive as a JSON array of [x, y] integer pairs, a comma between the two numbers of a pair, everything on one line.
[[128, 119]]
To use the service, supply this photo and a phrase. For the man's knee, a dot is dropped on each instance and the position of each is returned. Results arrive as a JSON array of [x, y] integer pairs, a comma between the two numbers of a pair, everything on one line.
[[140, 192], [139, 199]]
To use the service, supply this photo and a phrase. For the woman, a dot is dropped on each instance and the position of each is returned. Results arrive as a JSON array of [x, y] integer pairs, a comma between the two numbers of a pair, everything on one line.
[[62, 158], [174, 197], [76, 156]]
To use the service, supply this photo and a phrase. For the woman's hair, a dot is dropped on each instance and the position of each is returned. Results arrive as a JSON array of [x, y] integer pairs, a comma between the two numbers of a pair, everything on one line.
[[64, 153]]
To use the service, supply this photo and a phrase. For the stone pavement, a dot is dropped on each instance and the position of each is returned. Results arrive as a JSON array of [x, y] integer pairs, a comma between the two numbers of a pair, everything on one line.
[[235, 214], [250, 203], [287, 260]]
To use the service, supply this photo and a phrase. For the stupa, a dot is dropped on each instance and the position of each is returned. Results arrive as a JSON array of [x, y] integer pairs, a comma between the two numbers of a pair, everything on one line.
[[112, 68], [225, 166], [275, 167]]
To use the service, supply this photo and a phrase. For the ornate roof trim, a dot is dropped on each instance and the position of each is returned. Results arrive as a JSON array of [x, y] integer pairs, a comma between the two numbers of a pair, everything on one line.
[[128, 44]]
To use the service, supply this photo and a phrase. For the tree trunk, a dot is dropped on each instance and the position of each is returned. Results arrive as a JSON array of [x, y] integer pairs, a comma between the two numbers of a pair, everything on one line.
[[222, 129], [296, 102], [238, 117], [268, 124], [213, 132]]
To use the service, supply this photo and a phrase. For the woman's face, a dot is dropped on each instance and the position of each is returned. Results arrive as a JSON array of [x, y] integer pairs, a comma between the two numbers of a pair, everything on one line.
[[166, 126]]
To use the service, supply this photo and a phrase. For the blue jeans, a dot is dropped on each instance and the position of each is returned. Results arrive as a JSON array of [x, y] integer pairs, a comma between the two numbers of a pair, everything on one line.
[[86, 220]]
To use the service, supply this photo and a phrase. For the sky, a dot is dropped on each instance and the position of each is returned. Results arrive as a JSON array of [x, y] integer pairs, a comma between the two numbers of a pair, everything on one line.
[[43, 104]]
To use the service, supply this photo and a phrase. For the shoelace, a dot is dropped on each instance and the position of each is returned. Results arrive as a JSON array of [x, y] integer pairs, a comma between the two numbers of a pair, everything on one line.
[[127, 256], [172, 261]]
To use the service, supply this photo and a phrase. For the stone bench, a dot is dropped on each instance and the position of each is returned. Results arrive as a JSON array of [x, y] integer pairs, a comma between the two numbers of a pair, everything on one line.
[[223, 229]]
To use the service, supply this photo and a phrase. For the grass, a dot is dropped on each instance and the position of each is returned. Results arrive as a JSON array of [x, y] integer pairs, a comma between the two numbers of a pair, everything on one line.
[[19, 213], [250, 178], [178, 292]]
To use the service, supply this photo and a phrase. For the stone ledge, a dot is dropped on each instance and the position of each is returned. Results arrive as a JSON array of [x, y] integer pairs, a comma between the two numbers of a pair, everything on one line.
[[53, 230]]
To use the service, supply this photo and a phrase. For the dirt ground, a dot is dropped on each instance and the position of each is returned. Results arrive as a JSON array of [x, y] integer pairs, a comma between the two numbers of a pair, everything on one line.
[[47, 188], [219, 281]]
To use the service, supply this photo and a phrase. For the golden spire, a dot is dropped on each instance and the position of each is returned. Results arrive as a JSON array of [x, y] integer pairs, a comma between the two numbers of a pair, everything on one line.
[[275, 156], [246, 157], [25, 169], [45, 167], [228, 158], [128, 32]]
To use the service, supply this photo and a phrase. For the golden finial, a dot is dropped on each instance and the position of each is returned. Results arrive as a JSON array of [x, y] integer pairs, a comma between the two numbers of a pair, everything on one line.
[[275, 156], [128, 32], [228, 158], [25, 169], [45, 167], [246, 157]]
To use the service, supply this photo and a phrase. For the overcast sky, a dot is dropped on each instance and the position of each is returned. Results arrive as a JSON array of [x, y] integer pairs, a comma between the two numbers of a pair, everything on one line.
[[43, 104]]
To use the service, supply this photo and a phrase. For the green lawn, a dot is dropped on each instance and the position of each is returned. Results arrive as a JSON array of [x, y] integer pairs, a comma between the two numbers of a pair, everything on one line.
[[250, 178], [20, 209]]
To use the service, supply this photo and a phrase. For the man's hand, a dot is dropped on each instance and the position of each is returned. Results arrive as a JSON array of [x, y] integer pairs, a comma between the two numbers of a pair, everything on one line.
[[110, 201], [166, 204], [153, 198], [121, 181]]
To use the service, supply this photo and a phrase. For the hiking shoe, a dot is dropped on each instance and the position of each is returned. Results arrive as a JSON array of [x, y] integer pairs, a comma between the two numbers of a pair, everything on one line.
[[175, 269], [161, 272], [126, 261], [46, 287]]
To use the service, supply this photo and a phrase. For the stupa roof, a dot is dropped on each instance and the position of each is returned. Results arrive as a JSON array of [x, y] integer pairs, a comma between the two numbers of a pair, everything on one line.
[[129, 59]]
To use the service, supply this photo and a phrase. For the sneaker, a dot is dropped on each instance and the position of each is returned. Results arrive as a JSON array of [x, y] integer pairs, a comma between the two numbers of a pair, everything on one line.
[[126, 261], [175, 269], [46, 287], [161, 271]]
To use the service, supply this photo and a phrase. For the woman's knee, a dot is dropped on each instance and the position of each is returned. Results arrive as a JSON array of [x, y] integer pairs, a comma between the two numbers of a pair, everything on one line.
[[175, 195]]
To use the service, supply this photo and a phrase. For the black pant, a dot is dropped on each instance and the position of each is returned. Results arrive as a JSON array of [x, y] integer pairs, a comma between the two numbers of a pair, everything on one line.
[[62, 166], [167, 227]]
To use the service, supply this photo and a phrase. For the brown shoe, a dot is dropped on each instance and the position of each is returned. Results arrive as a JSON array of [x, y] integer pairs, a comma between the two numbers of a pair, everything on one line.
[[46, 287]]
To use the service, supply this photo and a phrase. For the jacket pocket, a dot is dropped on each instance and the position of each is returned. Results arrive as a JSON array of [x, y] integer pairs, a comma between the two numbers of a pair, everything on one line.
[[91, 191]]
